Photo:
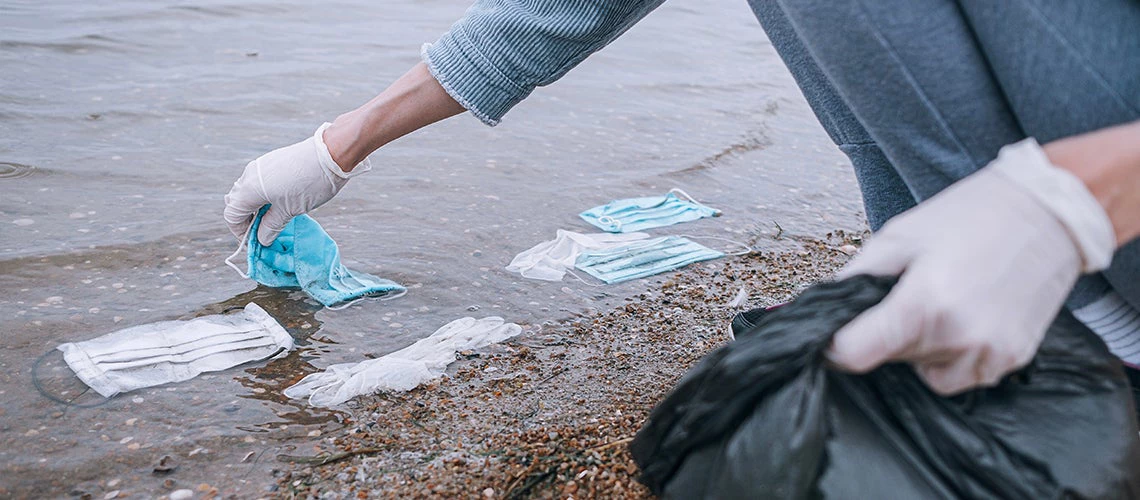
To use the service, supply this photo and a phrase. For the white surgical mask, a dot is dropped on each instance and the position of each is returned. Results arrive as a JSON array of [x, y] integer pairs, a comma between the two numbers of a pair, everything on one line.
[[174, 351]]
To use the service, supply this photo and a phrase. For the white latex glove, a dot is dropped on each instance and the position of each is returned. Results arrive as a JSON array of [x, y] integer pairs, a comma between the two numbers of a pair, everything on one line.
[[293, 179], [985, 266]]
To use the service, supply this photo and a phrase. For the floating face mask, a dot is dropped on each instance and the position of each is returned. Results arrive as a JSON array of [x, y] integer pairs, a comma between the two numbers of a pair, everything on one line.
[[643, 258], [173, 351], [637, 214], [405, 369], [550, 260], [304, 256]]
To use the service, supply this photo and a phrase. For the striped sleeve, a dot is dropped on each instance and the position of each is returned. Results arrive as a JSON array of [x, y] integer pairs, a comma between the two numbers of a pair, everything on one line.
[[502, 50]]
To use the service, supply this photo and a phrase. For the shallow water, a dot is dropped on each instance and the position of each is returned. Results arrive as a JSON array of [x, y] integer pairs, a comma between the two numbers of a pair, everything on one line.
[[123, 124]]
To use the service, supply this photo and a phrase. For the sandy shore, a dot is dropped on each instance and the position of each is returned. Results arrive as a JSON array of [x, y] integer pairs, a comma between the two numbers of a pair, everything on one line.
[[550, 414]]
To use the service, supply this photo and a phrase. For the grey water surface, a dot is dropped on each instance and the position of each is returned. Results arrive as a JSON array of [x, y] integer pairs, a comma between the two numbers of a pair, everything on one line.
[[123, 123]]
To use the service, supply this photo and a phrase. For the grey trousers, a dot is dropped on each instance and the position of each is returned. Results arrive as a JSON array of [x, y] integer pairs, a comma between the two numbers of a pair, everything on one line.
[[921, 93]]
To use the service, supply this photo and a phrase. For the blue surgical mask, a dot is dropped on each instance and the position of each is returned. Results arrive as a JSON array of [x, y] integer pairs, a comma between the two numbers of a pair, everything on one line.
[[643, 258], [638, 214], [305, 256]]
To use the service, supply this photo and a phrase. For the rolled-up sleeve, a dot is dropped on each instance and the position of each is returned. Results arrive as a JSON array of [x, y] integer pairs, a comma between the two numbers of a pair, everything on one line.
[[502, 50]]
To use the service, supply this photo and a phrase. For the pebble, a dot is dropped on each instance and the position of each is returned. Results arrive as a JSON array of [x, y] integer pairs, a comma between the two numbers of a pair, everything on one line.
[[111, 495], [181, 494], [489, 493], [113, 483], [849, 249], [131, 421]]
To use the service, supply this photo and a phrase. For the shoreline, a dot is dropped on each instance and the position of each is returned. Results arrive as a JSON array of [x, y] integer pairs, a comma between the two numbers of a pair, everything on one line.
[[550, 413]]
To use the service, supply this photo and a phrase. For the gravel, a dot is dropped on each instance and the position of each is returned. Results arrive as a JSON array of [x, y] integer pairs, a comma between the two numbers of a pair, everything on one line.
[[550, 414]]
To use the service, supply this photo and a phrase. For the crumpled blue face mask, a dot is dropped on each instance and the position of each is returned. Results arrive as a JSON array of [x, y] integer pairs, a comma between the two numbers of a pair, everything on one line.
[[305, 256], [643, 258], [637, 214]]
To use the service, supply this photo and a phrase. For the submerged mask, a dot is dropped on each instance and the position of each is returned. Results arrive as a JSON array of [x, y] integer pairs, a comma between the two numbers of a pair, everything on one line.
[[174, 351], [643, 258], [305, 256], [637, 214]]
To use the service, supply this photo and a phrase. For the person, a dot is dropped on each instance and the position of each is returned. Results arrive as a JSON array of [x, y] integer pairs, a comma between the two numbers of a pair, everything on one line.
[[921, 95]]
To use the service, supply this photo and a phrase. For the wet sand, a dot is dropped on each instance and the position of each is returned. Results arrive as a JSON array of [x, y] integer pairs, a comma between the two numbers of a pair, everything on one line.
[[550, 413]]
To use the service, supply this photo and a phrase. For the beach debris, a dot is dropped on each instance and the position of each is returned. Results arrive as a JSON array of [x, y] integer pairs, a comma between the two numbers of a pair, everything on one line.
[[405, 369], [159, 353], [740, 299]]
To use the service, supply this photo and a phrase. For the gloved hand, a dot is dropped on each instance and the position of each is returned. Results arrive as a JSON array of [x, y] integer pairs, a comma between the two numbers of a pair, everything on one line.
[[293, 179], [985, 266]]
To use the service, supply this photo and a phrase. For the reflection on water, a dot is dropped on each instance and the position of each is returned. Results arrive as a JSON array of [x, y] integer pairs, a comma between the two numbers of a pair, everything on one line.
[[125, 122]]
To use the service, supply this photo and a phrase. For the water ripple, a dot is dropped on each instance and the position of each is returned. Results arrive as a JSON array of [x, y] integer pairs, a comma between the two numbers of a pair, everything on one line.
[[9, 170]]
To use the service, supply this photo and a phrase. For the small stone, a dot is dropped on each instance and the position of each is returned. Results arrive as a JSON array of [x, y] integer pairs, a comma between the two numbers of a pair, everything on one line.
[[181, 495], [473, 308], [111, 495], [134, 446], [165, 464], [489, 493], [113, 483], [131, 421], [849, 249], [315, 433]]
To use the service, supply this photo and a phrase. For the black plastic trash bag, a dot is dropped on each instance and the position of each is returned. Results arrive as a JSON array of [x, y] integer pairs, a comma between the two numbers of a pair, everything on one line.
[[764, 417]]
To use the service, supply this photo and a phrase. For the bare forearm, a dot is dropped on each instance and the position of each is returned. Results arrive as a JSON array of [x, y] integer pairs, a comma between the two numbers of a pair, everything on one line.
[[1108, 162], [413, 101]]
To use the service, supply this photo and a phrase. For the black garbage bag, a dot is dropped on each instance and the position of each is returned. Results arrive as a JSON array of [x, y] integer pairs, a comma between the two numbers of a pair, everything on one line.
[[765, 417]]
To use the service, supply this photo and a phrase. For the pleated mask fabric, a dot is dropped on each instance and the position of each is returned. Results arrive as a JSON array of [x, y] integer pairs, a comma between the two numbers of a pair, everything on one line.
[[175, 351], [643, 258], [639, 214]]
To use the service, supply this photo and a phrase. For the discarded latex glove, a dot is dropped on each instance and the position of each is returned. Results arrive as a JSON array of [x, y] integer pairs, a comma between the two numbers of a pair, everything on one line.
[[305, 256], [984, 267], [405, 369], [174, 351], [550, 260], [294, 179], [637, 214]]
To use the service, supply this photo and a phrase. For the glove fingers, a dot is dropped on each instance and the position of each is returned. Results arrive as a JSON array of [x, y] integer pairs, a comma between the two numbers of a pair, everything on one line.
[[951, 378], [237, 221], [881, 257], [882, 333], [271, 225]]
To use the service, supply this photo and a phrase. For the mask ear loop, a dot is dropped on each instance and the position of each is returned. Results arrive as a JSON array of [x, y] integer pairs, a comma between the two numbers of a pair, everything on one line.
[[610, 221], [747, 249], [43, 392], [694, 200], [584, 282], [382, 298], [241, 246]]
